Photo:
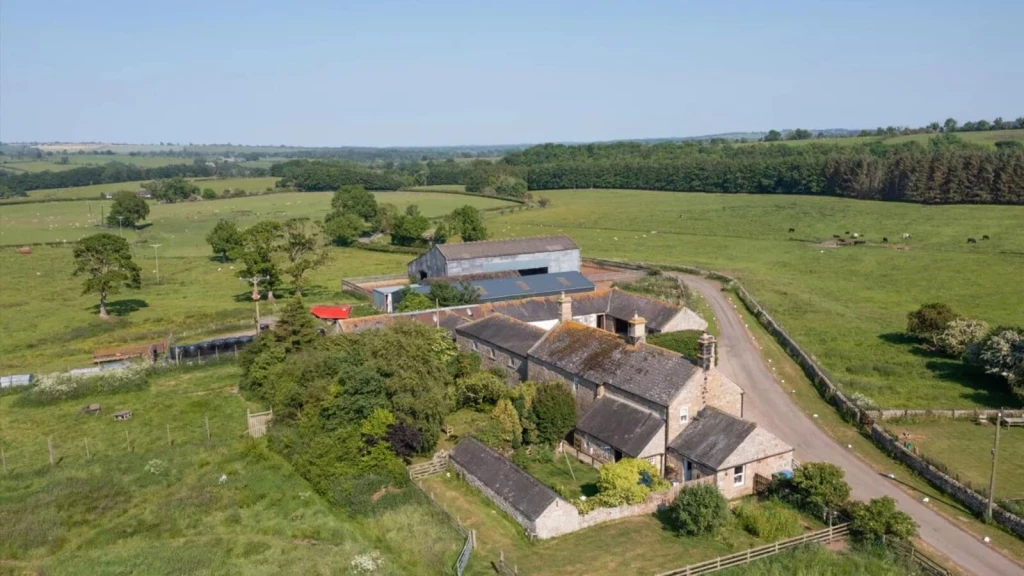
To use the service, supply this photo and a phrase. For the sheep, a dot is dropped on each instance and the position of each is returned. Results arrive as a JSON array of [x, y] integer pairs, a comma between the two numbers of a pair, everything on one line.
[[972, 241], [906, 236], [985, 237], [856, 235]]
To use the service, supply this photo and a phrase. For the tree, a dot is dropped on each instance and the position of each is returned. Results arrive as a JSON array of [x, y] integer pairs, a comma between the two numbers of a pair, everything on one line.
[[127, 210], [1001, 353], [627, 481], [385, 220], [343, 228], [447, 294], [799, 134], [405, 440], [821, 485], [879, 518], [412, 301], [698, 510], [929, 320], [173, 190], [773, 136], [296, 328], [440, 233], [106, 262], [306, 249], [507, 420], [225, 239], [959, 334], [209, 194], [949, 125], [479, 390], [260, 244], [468, 223], [356, 200], [555, 410]]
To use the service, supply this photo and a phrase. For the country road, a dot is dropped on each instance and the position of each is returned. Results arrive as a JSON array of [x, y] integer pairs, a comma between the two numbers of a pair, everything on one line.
[[767, 404]]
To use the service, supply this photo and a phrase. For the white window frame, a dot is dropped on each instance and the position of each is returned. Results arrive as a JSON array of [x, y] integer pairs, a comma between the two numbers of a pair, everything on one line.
[[684, 414], [739, 478], [575, 384]]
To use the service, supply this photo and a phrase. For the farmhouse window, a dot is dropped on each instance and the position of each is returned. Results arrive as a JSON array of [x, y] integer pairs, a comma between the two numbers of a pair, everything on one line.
[[575, 385], [684, 414], [737, 476]]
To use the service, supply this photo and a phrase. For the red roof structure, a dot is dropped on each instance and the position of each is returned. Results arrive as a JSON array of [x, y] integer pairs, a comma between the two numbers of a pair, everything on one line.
[[331, 312]]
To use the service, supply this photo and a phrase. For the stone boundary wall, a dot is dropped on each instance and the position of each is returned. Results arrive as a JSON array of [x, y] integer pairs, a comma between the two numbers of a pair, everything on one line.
[[847, 409], [953, 414]]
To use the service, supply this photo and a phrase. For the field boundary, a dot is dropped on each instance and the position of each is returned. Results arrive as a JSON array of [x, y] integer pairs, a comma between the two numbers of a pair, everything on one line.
[[455, 192], [439, 463], [941, 413], [849, 411]]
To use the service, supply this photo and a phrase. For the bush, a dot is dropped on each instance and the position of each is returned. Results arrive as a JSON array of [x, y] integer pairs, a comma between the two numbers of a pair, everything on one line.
[[628, 481], [929, 320], [53, 388], [879, 518], [209, 194], [959, 334], [770, 520], [479, 390], [555, 411], [821, 486], [698, 510]]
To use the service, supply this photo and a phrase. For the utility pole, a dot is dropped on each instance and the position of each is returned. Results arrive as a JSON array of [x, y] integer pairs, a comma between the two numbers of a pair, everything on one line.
[[995, 457], [156, 255], [119, 230], [255, 281]]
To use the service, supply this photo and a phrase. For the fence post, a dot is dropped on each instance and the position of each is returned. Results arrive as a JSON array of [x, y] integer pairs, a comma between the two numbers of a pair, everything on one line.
[[87, 455], [49, 447], [206, 419], [127, 441], [3, 457], [168, 434]]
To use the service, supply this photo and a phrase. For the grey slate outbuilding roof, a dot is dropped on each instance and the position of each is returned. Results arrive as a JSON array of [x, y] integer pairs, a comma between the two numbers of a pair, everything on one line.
[[500, 330], [712, 437], [624, 305], [509, 247], [538, 285], [603, 358], [620, 425], [511, 483]]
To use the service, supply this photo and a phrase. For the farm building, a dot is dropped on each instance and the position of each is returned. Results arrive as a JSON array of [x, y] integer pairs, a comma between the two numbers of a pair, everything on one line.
[[732, 450], [331, 315], [527, 500], [501, 342], [499, 289], [15, 380], [527, 256]]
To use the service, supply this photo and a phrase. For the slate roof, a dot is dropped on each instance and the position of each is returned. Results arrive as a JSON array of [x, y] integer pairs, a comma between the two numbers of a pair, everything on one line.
[[621, 425], [712, 437], [537, 285], [500, 330], [649, 372], [508, 247], [511, 483], [657, 313]]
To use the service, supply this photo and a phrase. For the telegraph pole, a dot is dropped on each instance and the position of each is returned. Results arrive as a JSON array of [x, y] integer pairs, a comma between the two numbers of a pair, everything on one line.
[[119, 230], [156, 255], [995, 457], [255, 281]]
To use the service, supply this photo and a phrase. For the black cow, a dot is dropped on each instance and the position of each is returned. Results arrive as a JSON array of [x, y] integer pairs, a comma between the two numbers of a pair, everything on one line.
[[836, 236], [791, 230], [885, 239], [972, 241], [985, 237]]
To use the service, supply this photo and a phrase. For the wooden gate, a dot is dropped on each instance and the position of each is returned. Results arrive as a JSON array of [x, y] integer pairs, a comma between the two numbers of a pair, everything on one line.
[[258, 422]]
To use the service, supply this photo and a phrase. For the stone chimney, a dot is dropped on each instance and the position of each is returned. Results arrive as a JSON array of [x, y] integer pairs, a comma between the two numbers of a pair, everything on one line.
[[637, 332], [706, 355], [600, 390], [564, 308]]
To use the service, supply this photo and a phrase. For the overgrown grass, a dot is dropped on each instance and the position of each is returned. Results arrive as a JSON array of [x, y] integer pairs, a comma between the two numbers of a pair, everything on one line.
[[770, 520], [566, 475], [816, 560], [218, 505], [846, 305]]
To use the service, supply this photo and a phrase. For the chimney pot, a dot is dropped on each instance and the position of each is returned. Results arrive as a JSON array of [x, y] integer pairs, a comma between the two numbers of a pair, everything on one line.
[[564, 308], [637, 332]]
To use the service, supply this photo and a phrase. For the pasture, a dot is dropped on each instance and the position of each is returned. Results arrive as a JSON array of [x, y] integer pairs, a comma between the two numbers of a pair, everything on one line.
[[96, 191], [846, 305], [984, 138], [218, 505]]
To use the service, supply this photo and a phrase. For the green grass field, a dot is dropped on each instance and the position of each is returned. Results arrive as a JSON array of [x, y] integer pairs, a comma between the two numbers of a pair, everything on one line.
[[964, 446], [847, 305], [95, 191], [988, 138], [108, 514]]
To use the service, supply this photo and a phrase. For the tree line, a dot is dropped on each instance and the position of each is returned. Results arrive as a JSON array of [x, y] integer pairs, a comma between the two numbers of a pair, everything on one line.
[[20, 183], [946, 171]]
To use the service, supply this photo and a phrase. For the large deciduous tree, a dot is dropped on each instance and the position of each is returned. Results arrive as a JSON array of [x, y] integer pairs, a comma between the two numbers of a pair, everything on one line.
[[409, 228], [306, 248], [127, 210], [928, 321], [355, 200], [555, 410], [225, 239], [260, 243], [468, 223], [343, 228], [106, 262]]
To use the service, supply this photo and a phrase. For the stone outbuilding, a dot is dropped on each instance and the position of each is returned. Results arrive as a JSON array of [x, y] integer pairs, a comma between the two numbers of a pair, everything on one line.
[[731, 449], [538, 255], [536, 507], [501, 342]]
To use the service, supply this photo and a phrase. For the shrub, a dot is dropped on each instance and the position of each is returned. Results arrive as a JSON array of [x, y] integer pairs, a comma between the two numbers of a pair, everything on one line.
[[507, 419], [627, 481], [879, 518], [929, 320], [770, 520], [53, 388], [555, 411], [959, 334], [821, 486], [479, 390], [698, 510]]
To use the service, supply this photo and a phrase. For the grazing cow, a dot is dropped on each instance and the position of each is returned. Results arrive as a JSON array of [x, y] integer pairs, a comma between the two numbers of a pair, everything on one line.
[[885, 239], [985, 237], [906, 236], [847, 232], [836, 236], [791, 230], [972, 241]]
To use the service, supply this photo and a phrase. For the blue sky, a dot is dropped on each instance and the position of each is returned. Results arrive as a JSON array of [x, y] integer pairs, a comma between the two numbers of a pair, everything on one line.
[[381, 73]]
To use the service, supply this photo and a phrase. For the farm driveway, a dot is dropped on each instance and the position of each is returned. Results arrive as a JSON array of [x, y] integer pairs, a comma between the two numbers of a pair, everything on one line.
[[766, 403]]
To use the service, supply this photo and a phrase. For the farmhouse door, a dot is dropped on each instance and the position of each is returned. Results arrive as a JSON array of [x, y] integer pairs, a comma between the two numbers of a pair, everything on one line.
[[687, 471]]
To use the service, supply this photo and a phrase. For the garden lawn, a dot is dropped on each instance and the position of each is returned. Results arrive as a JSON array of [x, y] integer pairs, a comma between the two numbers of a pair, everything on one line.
[[964, 447], [574, 477], [846, 305], [217, 506]]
